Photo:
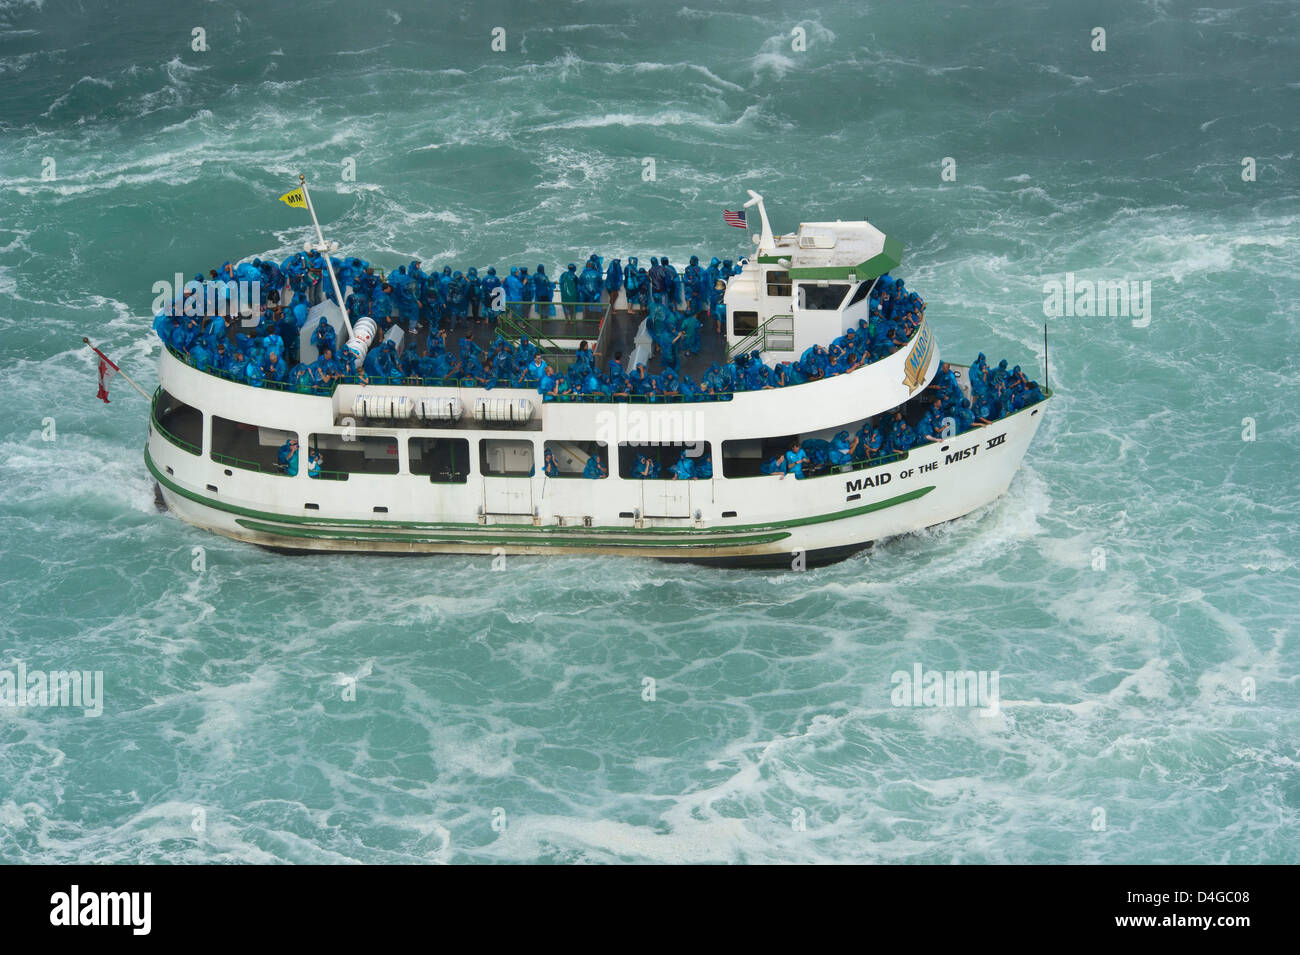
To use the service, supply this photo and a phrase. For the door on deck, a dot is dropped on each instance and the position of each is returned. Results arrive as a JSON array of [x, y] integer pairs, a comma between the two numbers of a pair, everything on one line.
[[507, 484], [666, 498]]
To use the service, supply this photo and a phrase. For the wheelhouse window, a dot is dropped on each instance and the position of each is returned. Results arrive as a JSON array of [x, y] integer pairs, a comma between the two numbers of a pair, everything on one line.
[[238, 444], [825, 298], [179, 423], [864, 289], [445, 460], [778, 282]]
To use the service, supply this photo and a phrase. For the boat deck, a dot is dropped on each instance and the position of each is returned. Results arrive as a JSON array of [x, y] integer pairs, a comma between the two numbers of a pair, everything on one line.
[[618, 337]]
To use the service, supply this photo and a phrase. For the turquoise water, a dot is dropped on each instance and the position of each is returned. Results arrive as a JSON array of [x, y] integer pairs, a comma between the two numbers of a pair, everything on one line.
[[1124, 734]]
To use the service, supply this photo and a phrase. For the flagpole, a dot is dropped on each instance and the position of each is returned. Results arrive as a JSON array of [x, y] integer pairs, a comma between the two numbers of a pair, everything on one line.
[[143, 393], [302, 180]]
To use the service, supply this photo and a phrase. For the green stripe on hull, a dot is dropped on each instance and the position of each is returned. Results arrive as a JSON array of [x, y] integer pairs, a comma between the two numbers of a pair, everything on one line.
[[491, 538], [535, 534]]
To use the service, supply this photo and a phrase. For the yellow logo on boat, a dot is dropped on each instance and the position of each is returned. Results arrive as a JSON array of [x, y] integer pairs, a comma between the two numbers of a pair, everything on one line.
[[295, 199], [918, 360]]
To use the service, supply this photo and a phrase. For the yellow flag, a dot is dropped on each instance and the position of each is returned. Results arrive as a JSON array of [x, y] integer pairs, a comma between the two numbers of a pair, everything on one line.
[[294, 199]]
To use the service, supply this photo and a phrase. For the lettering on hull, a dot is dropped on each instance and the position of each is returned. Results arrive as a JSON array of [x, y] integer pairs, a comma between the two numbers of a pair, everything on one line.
[[951, 457], [878, 480]]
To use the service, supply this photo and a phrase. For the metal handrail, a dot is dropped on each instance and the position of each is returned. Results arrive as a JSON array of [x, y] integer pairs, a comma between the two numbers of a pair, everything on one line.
[[328, 391], [746, 345], [173, 438], [246, 465]]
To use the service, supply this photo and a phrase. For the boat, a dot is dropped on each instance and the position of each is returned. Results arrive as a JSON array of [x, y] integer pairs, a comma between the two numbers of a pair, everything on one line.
[[414, 465]]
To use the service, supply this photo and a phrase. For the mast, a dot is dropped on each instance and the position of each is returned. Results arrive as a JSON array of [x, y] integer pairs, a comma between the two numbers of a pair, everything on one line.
[[765, 241], [325, 249]]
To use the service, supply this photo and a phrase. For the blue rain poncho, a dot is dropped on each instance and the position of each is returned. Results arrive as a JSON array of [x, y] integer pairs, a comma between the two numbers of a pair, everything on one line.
[[569, 284], [673, 280], [713, 278], [840, 451], [543, 292], [458, 297], [593, 468], [589, 284], [691, 326], [818, 451], [324, 336], [514, 286], [684, 469], [900, 437], [381, 307], [794, 461]]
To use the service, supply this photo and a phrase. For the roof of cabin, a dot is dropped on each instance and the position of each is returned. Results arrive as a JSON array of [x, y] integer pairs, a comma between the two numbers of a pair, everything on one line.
[[836, 250]]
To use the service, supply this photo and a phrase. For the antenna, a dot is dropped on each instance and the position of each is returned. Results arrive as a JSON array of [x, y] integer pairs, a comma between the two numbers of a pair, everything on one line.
[[1046, 385]]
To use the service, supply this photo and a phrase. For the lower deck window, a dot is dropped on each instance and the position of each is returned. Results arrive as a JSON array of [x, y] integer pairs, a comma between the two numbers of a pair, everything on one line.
[[665, 462], [179, 423], [445, 460], [238, 444], [505, 457], [576, 459], [745, 458], [342, 455]]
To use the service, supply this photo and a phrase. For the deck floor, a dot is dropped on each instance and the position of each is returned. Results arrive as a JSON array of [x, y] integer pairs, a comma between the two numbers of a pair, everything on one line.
[[619, 338]]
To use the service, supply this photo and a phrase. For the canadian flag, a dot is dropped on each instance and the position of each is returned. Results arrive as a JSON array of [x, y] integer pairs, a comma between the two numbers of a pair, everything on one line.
[[106, 371]]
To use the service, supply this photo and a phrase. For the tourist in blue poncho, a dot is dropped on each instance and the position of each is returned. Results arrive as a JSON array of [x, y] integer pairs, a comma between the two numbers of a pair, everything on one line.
[[590, 283], [632, 282], [841, 449], [794, 461], [613, 281], [543, 292], [569, 289]]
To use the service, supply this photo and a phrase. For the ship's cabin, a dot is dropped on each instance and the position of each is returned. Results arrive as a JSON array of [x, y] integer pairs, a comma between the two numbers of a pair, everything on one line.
[[806, 288]]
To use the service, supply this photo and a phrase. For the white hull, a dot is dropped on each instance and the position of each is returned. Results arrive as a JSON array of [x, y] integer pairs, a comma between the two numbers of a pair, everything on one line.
[[775, 520]]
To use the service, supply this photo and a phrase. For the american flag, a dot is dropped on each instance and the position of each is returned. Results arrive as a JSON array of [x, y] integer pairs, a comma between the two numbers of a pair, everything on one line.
[[734, 218]]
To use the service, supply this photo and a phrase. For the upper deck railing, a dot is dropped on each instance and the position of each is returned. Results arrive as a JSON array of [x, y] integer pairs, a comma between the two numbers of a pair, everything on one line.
[[327, 390]]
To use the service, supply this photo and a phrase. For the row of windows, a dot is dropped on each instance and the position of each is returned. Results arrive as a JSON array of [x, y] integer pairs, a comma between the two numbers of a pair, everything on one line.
[[820, 296], [446, 460], [814, 296]]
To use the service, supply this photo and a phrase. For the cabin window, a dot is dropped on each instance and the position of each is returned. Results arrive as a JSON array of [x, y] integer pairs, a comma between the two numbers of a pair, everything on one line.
[[179, 423], [744, 324], [571, 457], [445, 460], [664, 457], [745, 458], [343, 455], [778, 282], [505, 458], [864, 289], [238, 444], [824, 298]]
